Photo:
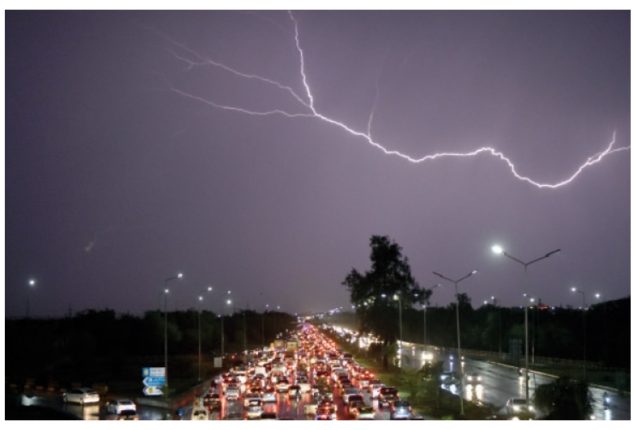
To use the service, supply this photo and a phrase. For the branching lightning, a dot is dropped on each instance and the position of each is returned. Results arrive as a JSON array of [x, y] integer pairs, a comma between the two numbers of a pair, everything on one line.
[[308, 110]]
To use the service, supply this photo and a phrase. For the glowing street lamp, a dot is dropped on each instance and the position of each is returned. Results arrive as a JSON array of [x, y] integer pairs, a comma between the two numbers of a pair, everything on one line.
[[458, 327], [498, 250]]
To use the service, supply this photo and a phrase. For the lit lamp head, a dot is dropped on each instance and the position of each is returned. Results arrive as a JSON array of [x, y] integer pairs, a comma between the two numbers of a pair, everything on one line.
[[395, 297], [597, 295], [200, 298], [210, 289], [31, 282], [497, 249], [179, 275], [574, 289], [229, 302], [166, 291]]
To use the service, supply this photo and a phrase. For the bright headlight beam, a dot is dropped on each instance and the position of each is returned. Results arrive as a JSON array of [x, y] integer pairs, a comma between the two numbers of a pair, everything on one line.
[[308, 105]]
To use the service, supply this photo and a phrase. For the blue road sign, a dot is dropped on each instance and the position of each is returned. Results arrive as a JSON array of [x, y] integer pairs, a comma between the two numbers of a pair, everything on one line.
[[153, 380]]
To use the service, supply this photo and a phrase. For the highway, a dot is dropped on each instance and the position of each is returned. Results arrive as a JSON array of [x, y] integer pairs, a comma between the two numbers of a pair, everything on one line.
[[501, 382]]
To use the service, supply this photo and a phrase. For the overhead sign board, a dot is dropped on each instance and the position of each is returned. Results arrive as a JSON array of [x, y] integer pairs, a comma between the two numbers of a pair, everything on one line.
[[153, 380]]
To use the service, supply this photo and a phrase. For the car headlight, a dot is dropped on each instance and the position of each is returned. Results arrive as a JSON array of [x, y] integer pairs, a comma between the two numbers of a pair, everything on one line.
[[515, 408], [531, 408]]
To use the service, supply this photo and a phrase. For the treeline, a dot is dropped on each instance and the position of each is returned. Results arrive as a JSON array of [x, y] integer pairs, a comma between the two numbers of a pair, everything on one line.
[[101, 342], [556, 333]]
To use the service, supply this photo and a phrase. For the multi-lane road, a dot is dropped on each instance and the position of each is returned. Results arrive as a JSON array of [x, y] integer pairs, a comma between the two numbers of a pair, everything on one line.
[[500, 382]]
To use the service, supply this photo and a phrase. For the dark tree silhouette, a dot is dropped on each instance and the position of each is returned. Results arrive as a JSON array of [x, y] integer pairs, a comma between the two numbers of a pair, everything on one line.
[[375, 292]]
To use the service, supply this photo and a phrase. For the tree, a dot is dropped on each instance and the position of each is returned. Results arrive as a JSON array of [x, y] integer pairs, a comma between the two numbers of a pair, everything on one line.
[[564, 399], [377, 293]]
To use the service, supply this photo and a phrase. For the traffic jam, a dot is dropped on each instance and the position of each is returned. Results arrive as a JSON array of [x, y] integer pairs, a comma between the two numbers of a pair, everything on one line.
[[306, 376]]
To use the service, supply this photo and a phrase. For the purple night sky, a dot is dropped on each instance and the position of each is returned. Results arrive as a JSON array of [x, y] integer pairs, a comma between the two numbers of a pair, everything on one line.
[[114, 181]]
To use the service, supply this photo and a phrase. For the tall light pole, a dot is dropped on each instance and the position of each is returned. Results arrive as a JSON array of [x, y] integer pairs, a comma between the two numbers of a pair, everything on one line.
[[584, 311], [397, 298], [498, 250], [500, 325], [166, 291], [263, 323], [200, 299], [425, 315], [458, 326], [228, 302], [31, 286]]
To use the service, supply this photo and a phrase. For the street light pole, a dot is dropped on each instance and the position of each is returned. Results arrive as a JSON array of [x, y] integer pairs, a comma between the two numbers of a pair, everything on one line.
[[165, 326], [425, 318], [584, 311], [397, 297], [200, 299], [497, 249], [458, 327]]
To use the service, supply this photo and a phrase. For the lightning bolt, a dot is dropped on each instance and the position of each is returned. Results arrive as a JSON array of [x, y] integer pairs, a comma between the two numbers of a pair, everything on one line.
[[308, 110]]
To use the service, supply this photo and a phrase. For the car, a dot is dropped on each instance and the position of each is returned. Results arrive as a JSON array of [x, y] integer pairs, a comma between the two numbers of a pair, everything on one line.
[[473, 379], [517, 406], [248, 398], [354, 404], [305, 386], [310, 408], [294, 391], [127, 414], [82, 396], [269, 395], [232, 392], [400, 410], [366, 413], [375, 386], [200, 414], [212, 402], [325, 413], [348, 392], [387, 395], [254, 411], [116, 407], [283, 385]]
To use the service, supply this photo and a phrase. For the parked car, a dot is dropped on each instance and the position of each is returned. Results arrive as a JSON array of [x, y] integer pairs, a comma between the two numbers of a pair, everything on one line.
[[82, 396]]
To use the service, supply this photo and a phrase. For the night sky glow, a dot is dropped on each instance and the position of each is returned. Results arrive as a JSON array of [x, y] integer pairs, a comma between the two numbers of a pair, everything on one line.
[[259, 151]]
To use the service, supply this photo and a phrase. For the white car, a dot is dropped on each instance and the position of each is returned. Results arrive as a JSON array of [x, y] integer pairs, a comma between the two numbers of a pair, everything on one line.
[[516, 406], [118, 406], [82, 396]]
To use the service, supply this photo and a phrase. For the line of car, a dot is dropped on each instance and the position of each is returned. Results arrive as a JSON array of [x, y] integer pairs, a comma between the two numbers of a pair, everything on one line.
[[308, 369]]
